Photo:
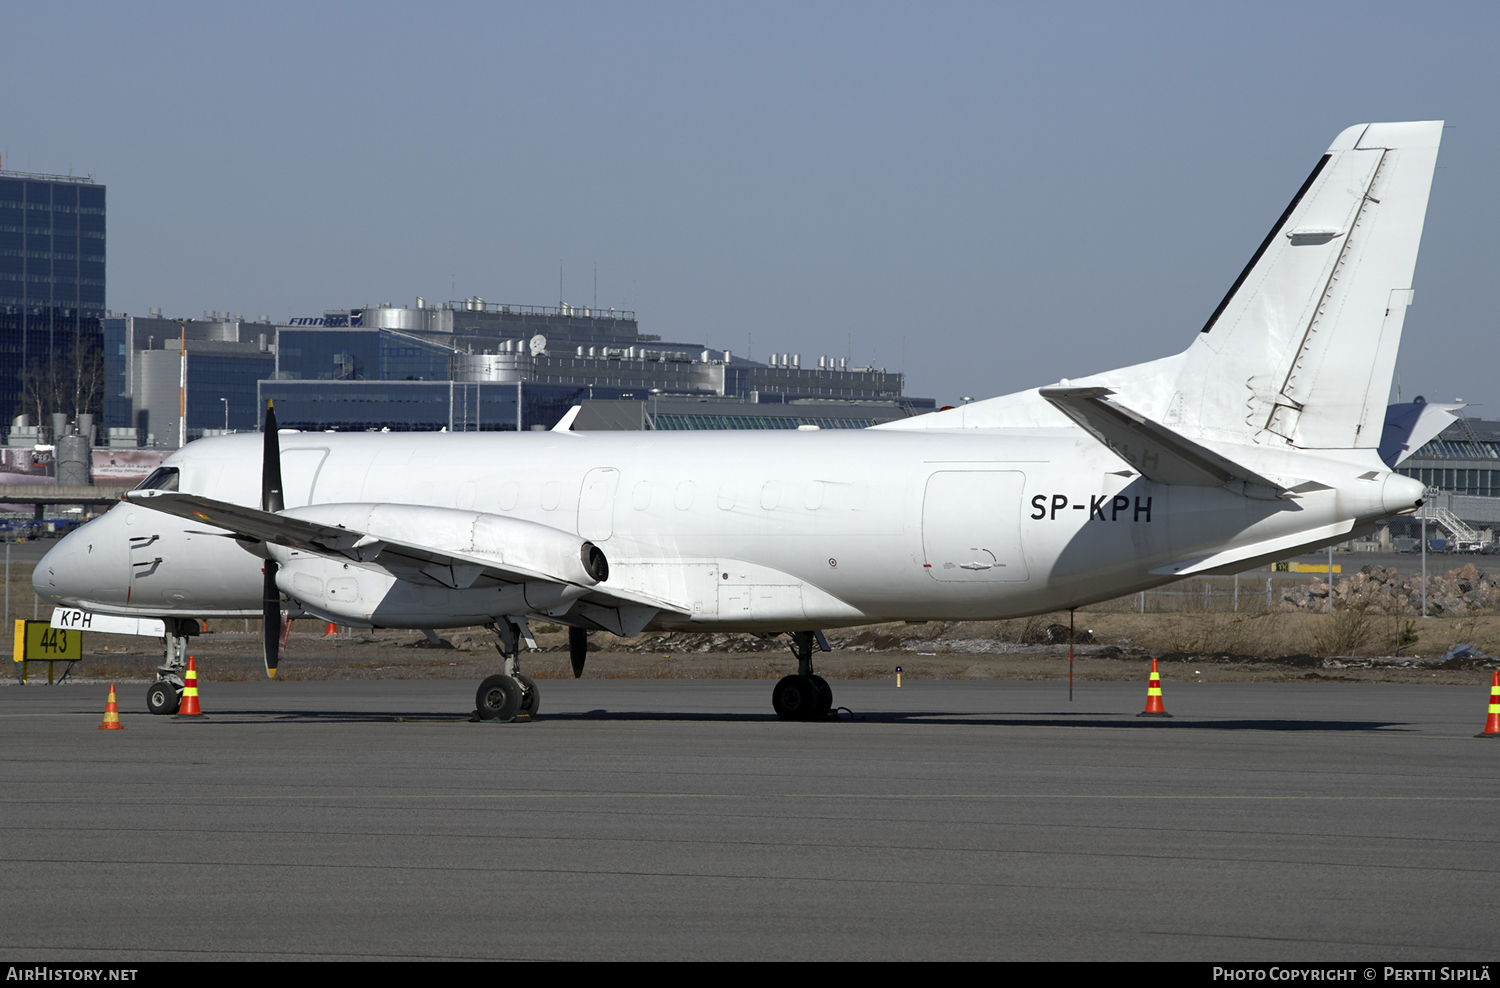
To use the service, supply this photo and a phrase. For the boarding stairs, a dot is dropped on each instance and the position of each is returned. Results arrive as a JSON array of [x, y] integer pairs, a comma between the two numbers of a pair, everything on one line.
[[1455, 525]]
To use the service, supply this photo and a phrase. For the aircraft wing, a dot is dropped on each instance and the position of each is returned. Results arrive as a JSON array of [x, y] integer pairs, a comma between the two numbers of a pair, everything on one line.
[[1155, 451], [556, 557]]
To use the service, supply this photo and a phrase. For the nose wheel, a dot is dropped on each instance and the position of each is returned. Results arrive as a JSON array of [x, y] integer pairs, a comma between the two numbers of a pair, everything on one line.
[[163, 697]]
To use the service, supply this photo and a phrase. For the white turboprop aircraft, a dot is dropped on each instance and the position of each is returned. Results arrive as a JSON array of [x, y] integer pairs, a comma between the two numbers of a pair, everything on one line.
[[1259, 441]]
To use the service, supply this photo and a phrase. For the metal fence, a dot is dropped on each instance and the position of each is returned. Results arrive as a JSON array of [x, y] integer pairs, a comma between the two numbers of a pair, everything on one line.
[[1220, 594]]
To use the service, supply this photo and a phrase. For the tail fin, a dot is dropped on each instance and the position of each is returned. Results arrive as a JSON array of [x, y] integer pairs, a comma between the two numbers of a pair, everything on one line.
[[1301, 350]]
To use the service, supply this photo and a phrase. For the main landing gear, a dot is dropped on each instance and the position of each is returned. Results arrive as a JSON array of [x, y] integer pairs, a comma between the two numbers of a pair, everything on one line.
[[509, 695], [164, 695], [805, 696]]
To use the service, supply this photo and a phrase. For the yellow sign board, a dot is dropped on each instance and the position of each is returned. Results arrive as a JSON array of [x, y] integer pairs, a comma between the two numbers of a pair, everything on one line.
[[1305, 568], [38, 640]]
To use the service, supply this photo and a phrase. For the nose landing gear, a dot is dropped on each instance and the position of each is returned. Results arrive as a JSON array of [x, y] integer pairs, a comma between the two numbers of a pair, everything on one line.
[[164, 695]]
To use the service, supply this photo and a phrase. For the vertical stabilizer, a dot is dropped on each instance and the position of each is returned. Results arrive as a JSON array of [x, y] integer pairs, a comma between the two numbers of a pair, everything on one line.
[[1301, 350]]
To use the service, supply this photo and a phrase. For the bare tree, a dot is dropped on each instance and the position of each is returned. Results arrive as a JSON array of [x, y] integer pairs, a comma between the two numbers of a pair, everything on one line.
[[84, 365], [39, 392], [73, 383]]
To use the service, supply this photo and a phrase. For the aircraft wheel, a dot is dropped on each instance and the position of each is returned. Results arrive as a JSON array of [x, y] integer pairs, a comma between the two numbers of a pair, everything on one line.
[[499, 698], [795, 698], [531, 697], [162, 698], [825, 697]]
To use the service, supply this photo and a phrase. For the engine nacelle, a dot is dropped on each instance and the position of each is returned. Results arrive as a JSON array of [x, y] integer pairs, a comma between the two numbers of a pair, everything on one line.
[[351, 594], [505, 541]]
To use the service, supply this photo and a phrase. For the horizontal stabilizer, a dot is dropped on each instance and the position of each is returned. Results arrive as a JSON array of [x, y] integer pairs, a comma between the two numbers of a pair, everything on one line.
[[1156, 452], [1257, 553]]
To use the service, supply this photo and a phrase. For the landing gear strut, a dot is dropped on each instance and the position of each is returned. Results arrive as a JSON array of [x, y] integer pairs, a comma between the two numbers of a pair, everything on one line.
[[508, 695], [165, 694], [805, 696]]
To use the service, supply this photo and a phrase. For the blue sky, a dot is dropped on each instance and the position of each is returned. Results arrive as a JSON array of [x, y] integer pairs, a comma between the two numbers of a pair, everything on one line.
[[991, 196]]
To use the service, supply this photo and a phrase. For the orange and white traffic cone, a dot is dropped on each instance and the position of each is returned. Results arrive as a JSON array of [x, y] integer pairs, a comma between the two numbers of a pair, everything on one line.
[[332, 630], [189, 705], [111, 713], [1492, 723], [1154, 706]]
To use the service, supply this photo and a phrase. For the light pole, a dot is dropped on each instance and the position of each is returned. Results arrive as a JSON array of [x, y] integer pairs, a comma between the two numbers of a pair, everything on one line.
[[1426, 499], [226, 413], [654, 393]]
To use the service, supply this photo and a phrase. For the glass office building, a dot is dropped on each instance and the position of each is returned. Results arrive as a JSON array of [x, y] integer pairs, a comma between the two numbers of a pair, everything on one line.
[[426, 406], [462, 367], [51, 275], [144, 369], [324, 354], [351, 370]]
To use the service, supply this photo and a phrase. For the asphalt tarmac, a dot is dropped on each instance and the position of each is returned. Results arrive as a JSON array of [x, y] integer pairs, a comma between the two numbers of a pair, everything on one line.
[[677, 820]]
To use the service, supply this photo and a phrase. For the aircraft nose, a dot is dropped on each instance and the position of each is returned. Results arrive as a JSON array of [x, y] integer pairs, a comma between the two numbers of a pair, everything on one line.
[[77, 570], [55, 577]]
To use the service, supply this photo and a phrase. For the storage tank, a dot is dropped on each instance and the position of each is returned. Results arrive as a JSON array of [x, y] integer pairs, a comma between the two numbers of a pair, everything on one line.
[[498, 367], [402, 318], [73, 457]]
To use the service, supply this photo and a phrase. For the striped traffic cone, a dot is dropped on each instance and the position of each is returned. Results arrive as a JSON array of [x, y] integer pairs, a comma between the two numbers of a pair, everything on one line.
[[332, 630], [189, 706], [111, 713], [1154, 706], [1492, 723]]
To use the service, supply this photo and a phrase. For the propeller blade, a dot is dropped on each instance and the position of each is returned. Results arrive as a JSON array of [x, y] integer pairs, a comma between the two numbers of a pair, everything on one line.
[[271, 500], [271, 620], [270, 470], [578, 650]]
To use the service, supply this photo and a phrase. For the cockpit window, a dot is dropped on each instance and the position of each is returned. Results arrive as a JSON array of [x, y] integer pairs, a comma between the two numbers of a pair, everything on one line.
[[161, 479]]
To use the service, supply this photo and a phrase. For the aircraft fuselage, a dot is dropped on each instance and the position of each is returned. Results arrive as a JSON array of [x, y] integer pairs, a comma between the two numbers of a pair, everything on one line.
[[740, 530]]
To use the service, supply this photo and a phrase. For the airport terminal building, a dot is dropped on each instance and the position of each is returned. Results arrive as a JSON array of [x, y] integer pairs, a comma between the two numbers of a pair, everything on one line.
[[1462, 469], [463, 367]]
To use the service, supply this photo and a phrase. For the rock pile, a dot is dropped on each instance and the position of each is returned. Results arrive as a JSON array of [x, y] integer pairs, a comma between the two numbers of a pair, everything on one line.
[[1380, 590], [707, 642]]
